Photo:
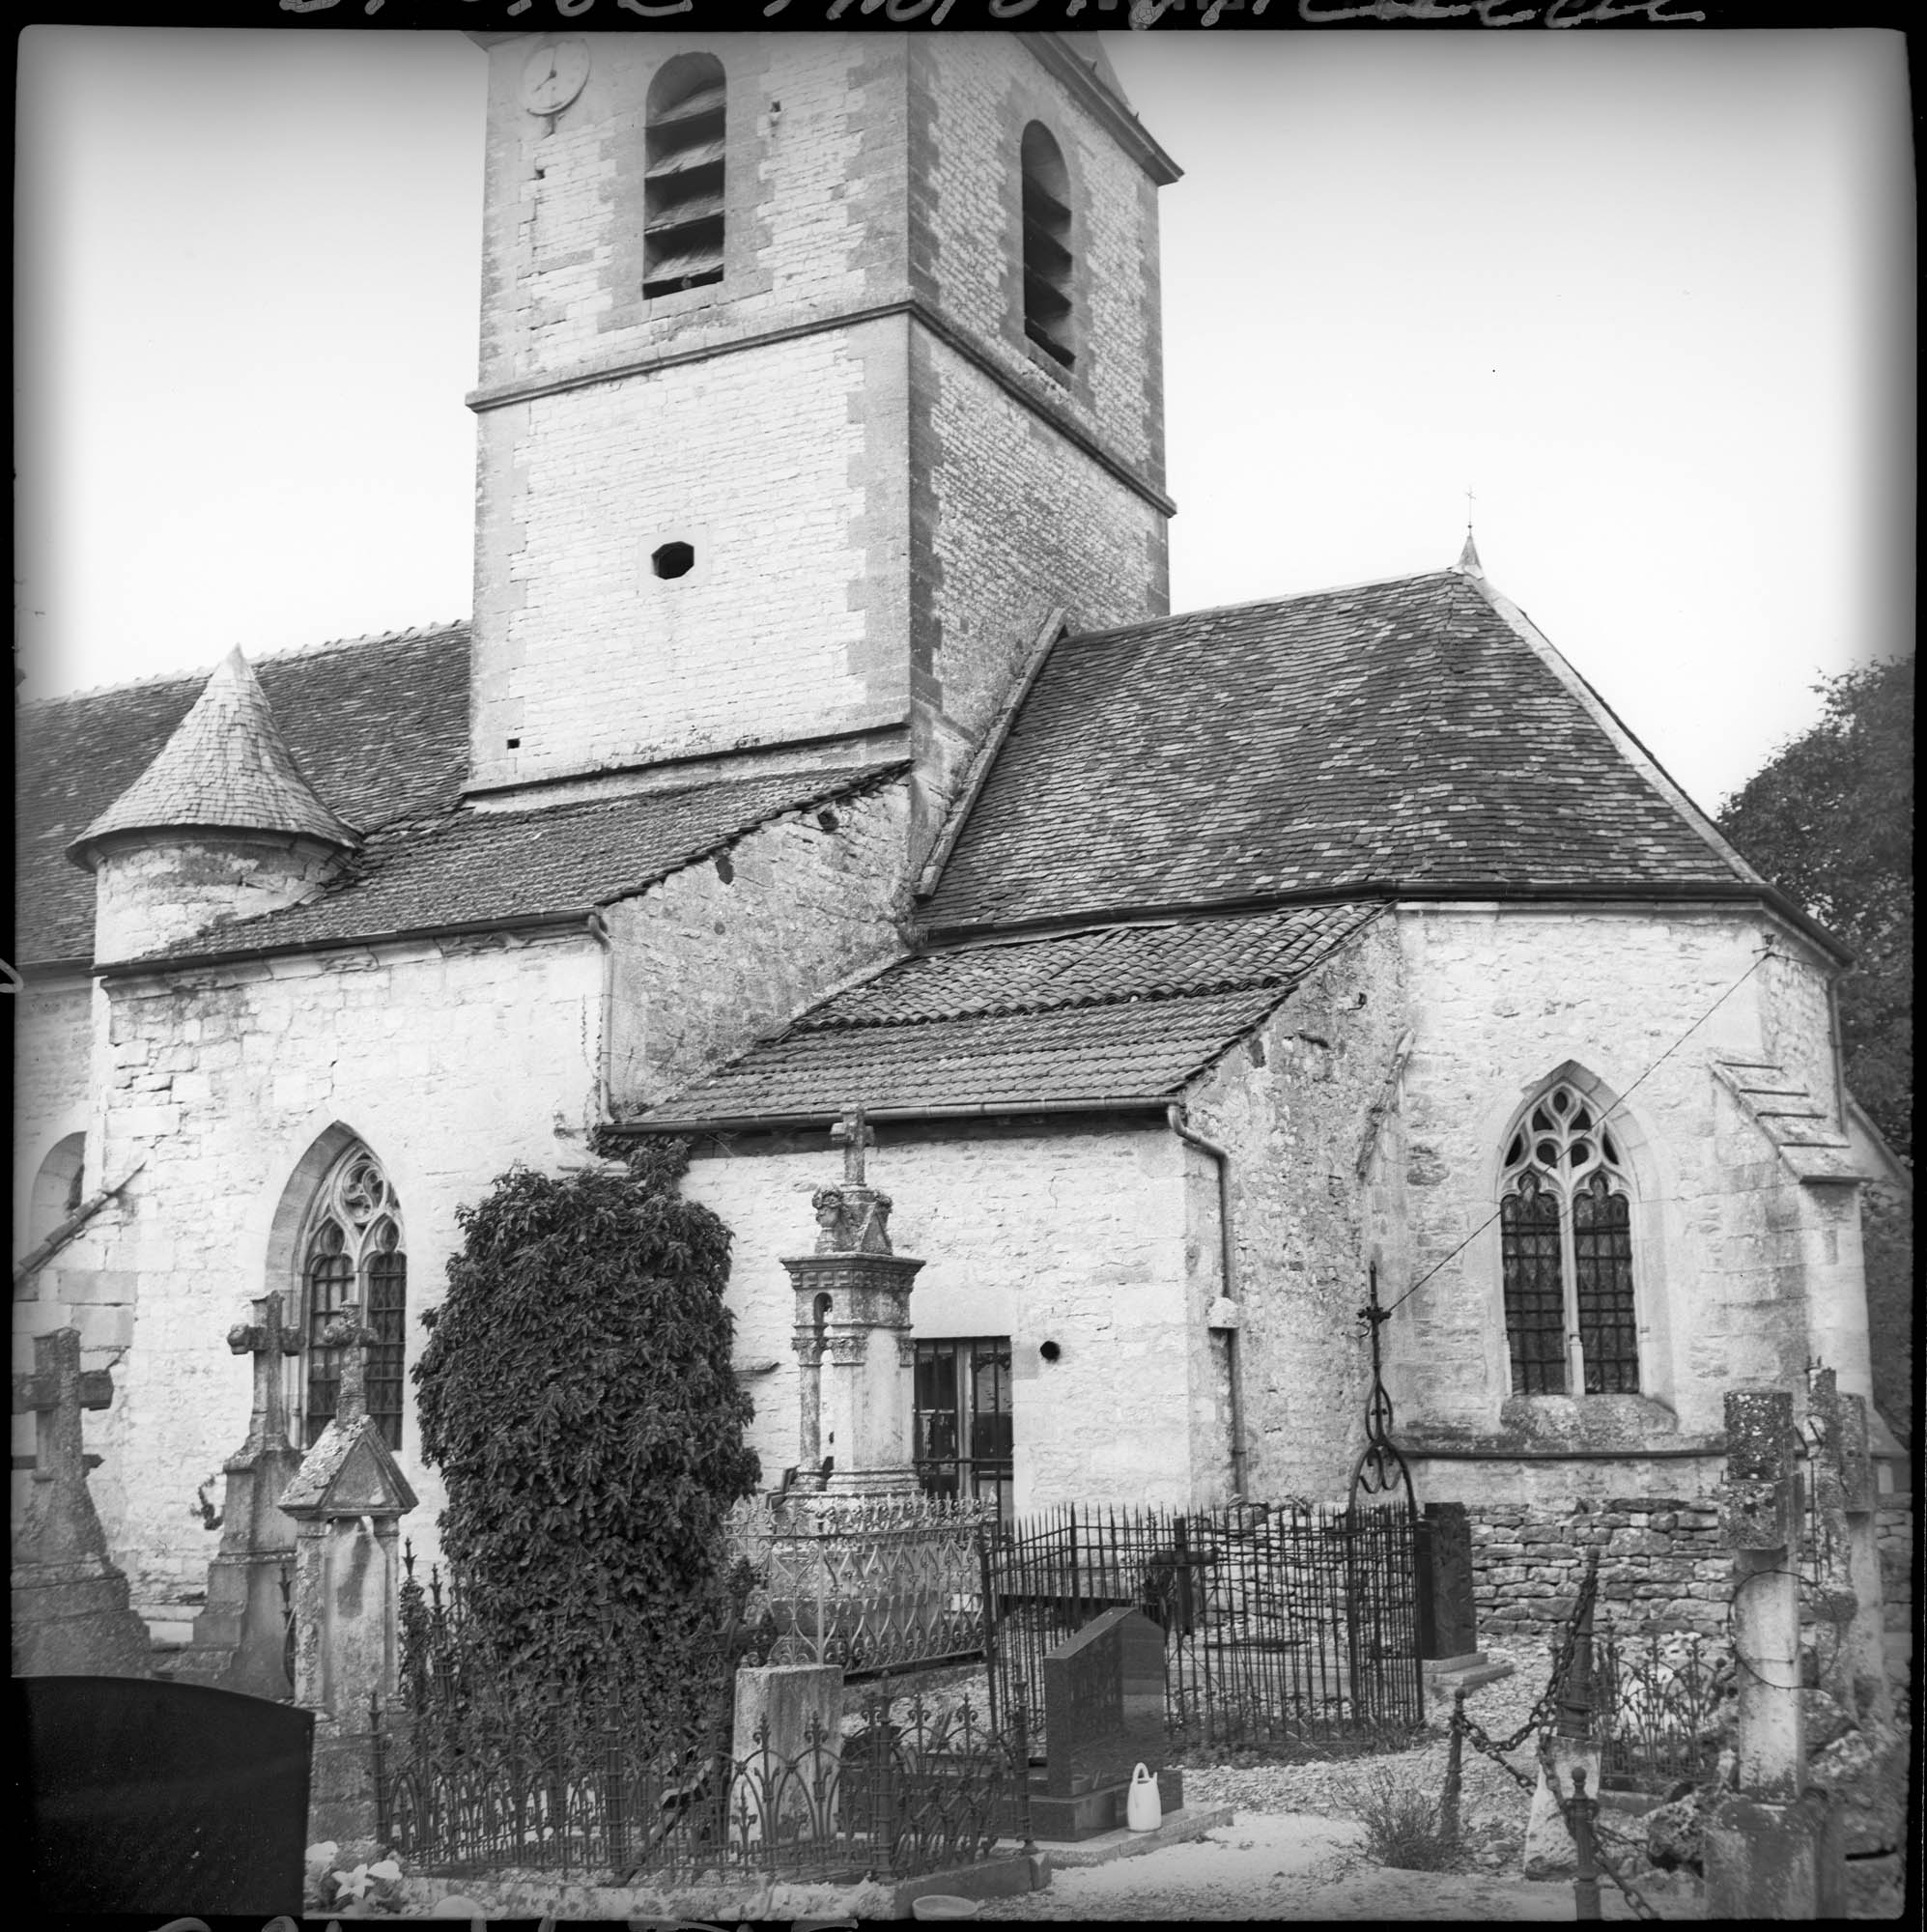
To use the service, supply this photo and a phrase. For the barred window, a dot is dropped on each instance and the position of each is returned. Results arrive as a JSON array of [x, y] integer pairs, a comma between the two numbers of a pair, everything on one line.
[[683, 176], [962, 1418], [353, 1250], [1566, 1246], [1047, 256]]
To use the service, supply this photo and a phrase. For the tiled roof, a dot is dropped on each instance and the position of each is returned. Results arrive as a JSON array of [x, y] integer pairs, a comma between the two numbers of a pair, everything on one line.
[[1398, 734], [379, 728], [473, 866], [226, 765], [1120, 1013]]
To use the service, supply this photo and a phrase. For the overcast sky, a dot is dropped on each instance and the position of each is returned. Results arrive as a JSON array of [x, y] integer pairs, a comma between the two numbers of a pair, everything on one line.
[[1648, 296]]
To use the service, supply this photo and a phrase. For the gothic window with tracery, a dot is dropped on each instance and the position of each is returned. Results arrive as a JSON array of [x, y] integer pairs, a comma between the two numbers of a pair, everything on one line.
[[1565, 1241], [683, 176], [353, 1250], [1047, 258]]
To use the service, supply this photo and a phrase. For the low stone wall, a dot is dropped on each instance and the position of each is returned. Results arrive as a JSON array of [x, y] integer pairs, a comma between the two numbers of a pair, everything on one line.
[[1662, 1565]]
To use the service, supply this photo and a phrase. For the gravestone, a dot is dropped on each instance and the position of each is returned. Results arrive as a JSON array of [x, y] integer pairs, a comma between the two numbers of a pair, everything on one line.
[[1448, 1617], [70, 1611], [1104, 1717], [347, 1500], [240, 1640], [160, 1798]]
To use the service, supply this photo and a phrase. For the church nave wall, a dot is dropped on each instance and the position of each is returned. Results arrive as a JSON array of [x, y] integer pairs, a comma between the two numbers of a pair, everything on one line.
[[449, 1060], [1072, 1233]]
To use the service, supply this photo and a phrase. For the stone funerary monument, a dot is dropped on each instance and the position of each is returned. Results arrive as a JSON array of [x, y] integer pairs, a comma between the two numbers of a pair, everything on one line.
[[821, 739]]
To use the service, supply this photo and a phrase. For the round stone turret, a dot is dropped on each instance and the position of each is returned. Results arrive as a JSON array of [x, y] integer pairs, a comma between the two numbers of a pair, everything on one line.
[[220, 827]]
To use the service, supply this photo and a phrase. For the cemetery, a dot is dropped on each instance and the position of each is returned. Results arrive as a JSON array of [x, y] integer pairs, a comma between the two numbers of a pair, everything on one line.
[[890, 1693]]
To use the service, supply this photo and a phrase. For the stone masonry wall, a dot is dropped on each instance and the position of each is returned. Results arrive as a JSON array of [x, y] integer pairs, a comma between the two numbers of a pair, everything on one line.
[[759, 462], [1662, 1564], [1288, 1105], [724, 952], [972, 97], [1007, 522], [1898, 1548], [451, 1061], [52, 1030], [1074, 1234], [1737, 1267]]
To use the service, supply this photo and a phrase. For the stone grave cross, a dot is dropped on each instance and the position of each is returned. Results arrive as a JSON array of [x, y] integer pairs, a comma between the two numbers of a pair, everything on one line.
[[346, 1331], [71, 1611], [267, 1339], [854, 1131], [55, 1394], [240, 1635]]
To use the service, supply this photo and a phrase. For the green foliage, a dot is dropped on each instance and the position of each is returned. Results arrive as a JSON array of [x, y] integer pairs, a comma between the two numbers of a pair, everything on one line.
[[1830, 821], [577, 1395]]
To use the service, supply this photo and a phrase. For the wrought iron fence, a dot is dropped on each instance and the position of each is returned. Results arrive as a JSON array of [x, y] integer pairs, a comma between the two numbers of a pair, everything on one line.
[[1286, 1625], [1656, 1707], [902, 1787], [884, 1585]]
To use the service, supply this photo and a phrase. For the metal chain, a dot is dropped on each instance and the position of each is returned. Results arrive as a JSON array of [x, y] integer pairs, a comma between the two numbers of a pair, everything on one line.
[[1488, 1747]]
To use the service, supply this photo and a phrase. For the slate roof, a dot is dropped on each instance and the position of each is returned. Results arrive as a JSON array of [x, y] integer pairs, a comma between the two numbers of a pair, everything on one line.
[[1403, 734], [1118, 1014], [226, 765], [479, 867], [379, 728]]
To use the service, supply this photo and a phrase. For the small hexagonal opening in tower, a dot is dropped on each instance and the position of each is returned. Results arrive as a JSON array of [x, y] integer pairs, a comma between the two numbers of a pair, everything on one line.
[[673, 559]]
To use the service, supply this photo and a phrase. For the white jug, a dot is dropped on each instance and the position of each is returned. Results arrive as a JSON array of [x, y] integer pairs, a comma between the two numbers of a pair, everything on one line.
[[1143, 1809]]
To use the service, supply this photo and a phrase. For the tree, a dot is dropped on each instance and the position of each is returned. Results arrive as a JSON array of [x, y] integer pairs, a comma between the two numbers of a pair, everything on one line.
[[577, 1395], [1830, 821]]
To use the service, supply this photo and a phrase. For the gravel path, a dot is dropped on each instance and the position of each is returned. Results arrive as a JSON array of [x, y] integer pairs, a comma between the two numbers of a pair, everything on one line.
[[1295, 1849]]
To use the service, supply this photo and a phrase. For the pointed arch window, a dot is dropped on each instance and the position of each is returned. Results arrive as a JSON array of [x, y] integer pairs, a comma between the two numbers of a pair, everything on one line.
[[683, 176], [1566, 1242], [354, 1251], [1047, 256]]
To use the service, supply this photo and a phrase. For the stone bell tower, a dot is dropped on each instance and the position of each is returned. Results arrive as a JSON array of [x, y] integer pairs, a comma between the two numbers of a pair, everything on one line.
[[817, 371]]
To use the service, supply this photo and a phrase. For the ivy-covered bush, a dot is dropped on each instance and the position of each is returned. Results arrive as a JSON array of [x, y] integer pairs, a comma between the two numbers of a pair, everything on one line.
[[577, 1396]]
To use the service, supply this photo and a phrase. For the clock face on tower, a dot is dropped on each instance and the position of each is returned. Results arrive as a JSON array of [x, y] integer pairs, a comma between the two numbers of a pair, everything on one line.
[[554, 75]]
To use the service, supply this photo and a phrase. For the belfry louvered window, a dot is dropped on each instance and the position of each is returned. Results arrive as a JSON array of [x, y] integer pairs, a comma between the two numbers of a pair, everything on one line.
[[682, 200], [1047, 256], [1566, 1239], [352, 1252]]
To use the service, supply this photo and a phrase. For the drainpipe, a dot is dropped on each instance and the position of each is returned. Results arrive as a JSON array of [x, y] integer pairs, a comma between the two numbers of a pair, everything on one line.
[[1228, 1279], [598, 930]]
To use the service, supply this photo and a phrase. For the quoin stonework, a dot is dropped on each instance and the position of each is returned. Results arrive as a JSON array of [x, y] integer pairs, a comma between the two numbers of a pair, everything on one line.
[[822, 741]]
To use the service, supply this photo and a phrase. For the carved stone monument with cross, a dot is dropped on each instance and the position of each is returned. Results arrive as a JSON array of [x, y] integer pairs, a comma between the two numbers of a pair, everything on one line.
[[70, 1612], [853, 1337], [240, 1640], [347, 1500]]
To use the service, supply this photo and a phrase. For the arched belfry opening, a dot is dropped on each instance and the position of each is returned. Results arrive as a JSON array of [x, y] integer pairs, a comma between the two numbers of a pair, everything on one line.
[[1047, 252], [684, 181]]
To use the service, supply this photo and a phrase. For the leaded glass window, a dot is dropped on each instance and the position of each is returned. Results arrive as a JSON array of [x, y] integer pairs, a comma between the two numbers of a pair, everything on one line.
[[962, 1419], [1565, 1244], [353, 1250]]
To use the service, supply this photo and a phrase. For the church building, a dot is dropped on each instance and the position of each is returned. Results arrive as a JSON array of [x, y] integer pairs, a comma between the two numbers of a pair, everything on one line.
[[821, 739]]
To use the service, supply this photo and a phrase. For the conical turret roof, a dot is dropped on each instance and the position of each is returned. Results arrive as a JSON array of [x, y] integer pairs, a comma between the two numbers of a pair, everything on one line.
[[226, 765]]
